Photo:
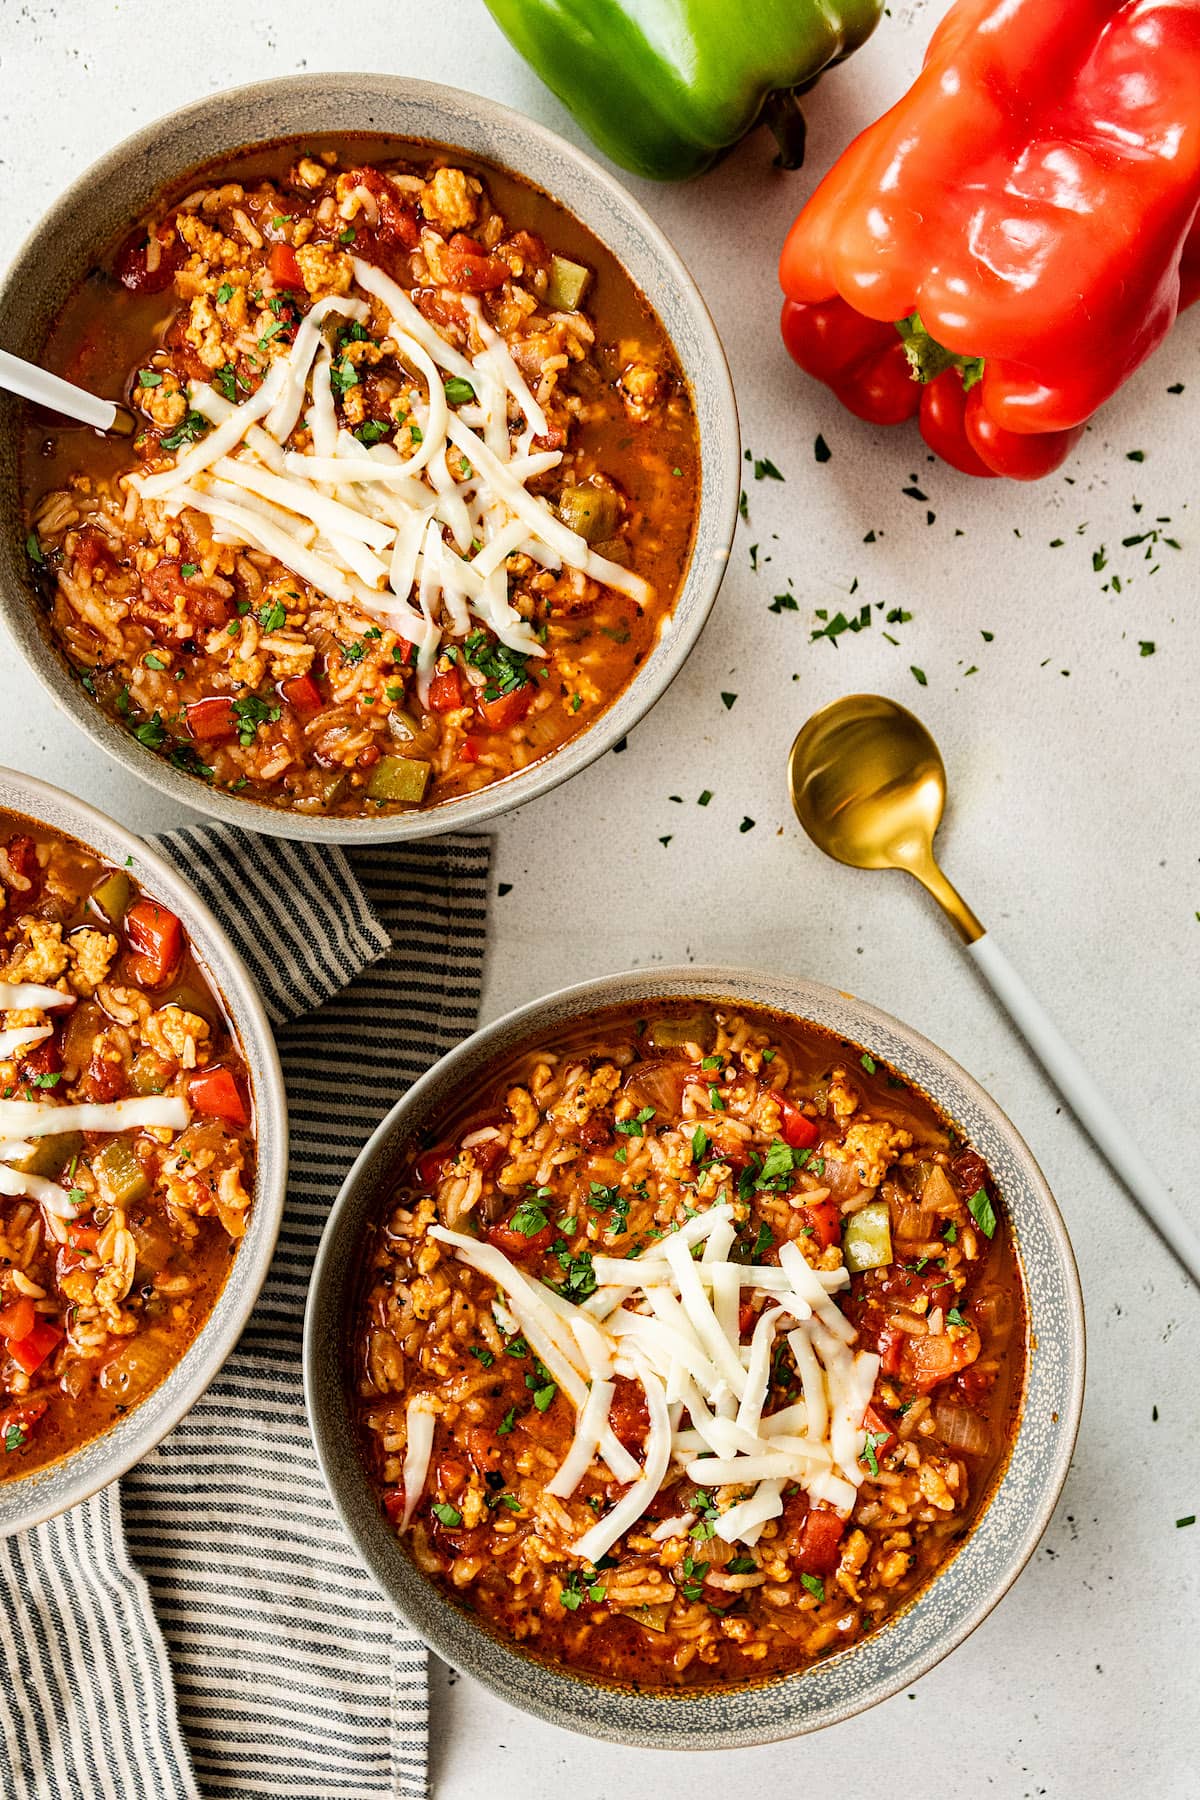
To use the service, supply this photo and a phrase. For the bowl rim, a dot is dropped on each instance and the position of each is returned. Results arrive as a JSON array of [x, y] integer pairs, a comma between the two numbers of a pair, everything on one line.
[[713, 1713], [50, 1489], [719, 459]]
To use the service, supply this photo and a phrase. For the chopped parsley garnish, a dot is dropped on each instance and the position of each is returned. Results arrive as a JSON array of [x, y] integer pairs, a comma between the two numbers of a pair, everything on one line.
[[700, 1142], [636, 1127], [458, 390], [763, 1241], [983, 1212], [507, 1422], [529, 1218], [815, 1586], [727, 701], [194, 426], [712, 1062], [482, 1355], [227, 381], [579, 1277], [716, 1098], [874, 1439], [45, 1081], [954, 1317], [150, 378], [273, 331], [348, 236], [371, 431], [784, 603], [705, 797], [779, 1163], [504, 670], [14, 1436], [151, 732], [543, 1397], [251, 712], [868, 1062], [272, 615], [152, 661], [224, 293], [742, 1565], [765, 470], [447, 1514], [33, 550]]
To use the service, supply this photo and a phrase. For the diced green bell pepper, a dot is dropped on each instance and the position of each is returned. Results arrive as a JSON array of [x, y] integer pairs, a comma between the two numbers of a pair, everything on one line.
[[399, 780], [113, 895], [49, 1156], [123, 1181], [568, 279], [589, 510], [665, 87]]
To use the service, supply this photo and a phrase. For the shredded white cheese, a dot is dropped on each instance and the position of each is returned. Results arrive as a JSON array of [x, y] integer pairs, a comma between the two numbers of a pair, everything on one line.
[[22, 994], [33, 1119]]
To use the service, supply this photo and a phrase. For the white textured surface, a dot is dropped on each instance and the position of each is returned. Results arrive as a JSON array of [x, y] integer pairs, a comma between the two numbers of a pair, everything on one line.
[[1074, 830]]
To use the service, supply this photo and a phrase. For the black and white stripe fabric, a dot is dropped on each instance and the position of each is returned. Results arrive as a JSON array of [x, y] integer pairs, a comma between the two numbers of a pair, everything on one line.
[[206, 1630]]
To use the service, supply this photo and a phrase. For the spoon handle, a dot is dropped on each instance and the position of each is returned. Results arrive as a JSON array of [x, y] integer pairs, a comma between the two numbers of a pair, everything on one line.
[[1095, 1112], [60, 396]]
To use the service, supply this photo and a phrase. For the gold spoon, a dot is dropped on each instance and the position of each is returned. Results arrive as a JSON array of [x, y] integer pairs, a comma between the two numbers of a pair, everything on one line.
[[869, 787]]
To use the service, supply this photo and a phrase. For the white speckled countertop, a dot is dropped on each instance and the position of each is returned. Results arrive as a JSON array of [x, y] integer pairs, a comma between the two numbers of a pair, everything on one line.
[[1066, 711]]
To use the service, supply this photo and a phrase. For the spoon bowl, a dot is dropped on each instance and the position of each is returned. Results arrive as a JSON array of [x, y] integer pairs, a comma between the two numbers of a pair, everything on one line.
[[869, 787]]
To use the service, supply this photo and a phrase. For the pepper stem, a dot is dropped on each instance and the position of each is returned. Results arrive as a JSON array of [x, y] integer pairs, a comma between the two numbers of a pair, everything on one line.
[[781, 111]]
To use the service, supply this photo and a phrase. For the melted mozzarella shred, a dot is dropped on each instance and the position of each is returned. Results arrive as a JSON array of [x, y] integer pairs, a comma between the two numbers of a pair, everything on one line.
[[367, 527], [18, 995], [420, 1419], [669, 1318]]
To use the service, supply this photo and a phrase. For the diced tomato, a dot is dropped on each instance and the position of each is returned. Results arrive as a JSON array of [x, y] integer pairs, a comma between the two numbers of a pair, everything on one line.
[[469, 267], [32, 1350], [970, 1172], [17, 1423], [818, 1548], [595, 1131], [83, 1237], [471, 748], [445, 691], [488, 1154], [43, 1059], [507, 709], [217, 1094], [285, 270], [211, 719], [747, 1318], [975, 1384], [826, 1221], [628, 1414], [483, 1449], [796, 1128], [157, 937], [452, 1473], [882, 1432], [166, 583], [104, 1077], [22, 856], [18, 1319], [515, 1244], [302, 695], [132, 262], [393, 1504], [891, 1348], [397, 213], [430, 1166]]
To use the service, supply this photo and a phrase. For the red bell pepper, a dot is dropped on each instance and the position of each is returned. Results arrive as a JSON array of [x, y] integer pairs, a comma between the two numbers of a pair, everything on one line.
[[445, 691], [825, 1220], [211, 719], [506, 709], [1017, 234], [18, 1319], [32, 1350], [285, 270], [157, 937], [795, 1127], [818, 1550], [216, 1094], [302, 695]]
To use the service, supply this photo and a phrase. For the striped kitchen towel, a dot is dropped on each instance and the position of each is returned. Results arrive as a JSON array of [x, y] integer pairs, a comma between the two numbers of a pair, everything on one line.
[[203, 1627]]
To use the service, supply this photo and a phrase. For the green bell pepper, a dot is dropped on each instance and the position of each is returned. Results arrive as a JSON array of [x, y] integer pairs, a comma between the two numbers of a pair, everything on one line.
[[665, 87]]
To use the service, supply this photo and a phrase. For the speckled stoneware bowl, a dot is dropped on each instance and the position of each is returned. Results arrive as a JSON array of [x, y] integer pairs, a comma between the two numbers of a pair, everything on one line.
[[944, 1613], [52, 1489], [101, 204]]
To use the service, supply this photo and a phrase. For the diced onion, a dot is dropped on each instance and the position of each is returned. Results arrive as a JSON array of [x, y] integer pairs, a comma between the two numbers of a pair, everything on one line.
[[961, 1429]]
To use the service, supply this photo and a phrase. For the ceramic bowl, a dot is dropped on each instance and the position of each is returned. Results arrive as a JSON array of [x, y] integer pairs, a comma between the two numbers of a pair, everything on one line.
[[49, 1490], [97, 207], [942, 1615]]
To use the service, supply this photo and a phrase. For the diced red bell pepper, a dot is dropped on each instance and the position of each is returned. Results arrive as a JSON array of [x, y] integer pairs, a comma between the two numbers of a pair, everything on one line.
[[506, 709], [445, 691], [211, 719], [22, 856], [42, 1059], [819, 1547], [217, 1094], [471, 748], [32, 1350], [825, 1217], [398, 222], [83, 1237], [795, 1127], [285, 270], [891, 1350], [452, 1474], [302, 695], [393, 1504], [157, 937], [18, 1319]]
